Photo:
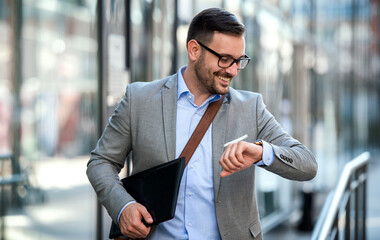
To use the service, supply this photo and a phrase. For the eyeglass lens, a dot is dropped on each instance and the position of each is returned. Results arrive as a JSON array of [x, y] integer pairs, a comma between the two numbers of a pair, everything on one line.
[[226, 62]]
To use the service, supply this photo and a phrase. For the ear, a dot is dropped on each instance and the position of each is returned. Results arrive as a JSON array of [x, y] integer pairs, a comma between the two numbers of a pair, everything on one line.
[[193, 50]]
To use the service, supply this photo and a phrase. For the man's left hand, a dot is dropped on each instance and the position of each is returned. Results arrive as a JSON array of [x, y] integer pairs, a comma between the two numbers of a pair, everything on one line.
[[239, 156]]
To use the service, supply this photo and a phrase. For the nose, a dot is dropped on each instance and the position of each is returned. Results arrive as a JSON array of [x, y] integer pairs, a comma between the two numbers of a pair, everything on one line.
[[233, 69]]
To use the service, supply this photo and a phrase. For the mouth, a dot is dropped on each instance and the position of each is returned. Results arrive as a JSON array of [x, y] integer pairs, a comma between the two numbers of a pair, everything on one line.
[[224, 80]]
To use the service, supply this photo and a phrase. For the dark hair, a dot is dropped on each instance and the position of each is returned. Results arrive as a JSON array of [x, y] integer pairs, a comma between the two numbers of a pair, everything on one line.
[[205, 23]]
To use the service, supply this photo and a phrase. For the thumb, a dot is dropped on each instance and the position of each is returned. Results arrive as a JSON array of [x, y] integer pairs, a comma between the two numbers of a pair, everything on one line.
[[146, 215], [225, 173]]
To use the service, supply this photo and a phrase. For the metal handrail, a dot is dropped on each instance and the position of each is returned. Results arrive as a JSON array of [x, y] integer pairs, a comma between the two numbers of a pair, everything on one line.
[[13, 178], [354, 176], [5, 156]]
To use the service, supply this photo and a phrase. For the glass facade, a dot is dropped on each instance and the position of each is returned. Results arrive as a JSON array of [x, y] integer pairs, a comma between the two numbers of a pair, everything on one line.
[[5, 79], [48, 105], [64, 66]]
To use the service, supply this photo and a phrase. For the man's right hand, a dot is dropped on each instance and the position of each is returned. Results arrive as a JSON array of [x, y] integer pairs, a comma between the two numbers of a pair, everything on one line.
[[130, 221]]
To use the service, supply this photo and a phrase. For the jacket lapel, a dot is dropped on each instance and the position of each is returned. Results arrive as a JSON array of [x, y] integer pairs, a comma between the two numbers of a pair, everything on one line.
[[219, 128], [169, 110]]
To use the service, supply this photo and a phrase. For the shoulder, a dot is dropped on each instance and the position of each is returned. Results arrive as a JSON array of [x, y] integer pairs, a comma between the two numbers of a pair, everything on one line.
[[238, 97], [146, 88]]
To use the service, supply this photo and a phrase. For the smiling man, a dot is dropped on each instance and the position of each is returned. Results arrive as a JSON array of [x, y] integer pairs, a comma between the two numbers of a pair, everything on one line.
[[155, 120], [213, 72]]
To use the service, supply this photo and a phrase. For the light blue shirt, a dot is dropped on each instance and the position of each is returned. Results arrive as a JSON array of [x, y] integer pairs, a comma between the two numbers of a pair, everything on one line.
[[195, 216], [195, 212]]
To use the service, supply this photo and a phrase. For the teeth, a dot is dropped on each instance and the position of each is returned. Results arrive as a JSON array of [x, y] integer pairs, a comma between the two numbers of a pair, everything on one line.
[[225, 79]]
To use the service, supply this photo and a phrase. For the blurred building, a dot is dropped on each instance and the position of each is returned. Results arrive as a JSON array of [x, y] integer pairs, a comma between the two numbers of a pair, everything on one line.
[[64, 65]]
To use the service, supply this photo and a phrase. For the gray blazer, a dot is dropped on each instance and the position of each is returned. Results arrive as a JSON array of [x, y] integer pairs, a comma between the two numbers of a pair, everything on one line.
[[145, 122]]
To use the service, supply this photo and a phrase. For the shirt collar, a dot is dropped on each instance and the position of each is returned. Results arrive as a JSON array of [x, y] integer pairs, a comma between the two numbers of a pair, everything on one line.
[[183, 89]]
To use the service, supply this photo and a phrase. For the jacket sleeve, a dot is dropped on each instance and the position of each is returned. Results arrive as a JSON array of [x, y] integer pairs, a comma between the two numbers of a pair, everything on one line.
[[108, 157], [292, 160]]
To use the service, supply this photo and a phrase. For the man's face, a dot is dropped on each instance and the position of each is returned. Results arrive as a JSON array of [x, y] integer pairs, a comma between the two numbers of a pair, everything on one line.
[[214, 79]]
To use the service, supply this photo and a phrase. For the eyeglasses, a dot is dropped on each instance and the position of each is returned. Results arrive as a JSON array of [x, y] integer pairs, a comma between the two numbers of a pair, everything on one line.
[[227, 61]]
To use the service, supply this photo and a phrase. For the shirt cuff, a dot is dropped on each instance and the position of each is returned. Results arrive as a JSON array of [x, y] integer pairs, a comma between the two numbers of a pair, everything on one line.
[[268, 155], [118, 217]]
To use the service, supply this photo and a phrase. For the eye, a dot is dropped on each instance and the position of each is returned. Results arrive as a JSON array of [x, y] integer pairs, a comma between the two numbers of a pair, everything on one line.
[[225, 60]]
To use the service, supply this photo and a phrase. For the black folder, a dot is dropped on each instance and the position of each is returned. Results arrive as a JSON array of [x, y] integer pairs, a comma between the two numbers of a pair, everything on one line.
[[157, 189]]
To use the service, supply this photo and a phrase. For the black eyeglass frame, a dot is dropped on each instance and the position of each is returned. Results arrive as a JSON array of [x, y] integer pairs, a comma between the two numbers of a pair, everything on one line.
[[246, 57]]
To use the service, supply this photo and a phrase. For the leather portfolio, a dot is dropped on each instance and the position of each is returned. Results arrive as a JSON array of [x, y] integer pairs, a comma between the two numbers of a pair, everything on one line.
[[157, 189]]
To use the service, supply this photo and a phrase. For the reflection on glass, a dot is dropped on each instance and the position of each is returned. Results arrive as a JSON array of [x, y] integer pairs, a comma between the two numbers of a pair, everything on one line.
[[5, 76], [57, 113], [152, 35]]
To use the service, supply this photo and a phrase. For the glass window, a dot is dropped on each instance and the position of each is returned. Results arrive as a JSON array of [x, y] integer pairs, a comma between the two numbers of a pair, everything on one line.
[[58, 106], [152, 37], [5, 78], [163, 27]]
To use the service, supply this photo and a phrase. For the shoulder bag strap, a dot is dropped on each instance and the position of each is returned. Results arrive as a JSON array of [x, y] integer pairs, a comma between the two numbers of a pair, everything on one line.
[[201, 129]]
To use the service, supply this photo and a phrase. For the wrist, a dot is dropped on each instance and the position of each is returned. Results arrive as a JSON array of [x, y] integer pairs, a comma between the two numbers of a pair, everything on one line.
[[259, 144], [267, 155]]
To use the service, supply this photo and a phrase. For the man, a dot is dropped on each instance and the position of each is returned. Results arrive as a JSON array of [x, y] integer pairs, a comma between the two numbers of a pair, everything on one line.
[[155, 120]]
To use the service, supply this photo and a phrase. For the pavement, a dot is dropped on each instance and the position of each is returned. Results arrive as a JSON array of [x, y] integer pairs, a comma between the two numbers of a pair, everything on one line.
[[289, 230], [62, 208]]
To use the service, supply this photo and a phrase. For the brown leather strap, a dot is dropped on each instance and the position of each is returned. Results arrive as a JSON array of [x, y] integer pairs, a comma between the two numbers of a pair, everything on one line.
[[200, 130]]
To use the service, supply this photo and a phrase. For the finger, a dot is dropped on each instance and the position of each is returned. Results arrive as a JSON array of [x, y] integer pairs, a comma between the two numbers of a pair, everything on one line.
[[146, 216], [233, 156], [229, 161], [131, 230], [140, 227], [225, 163], [223, 157], [130, 221], [224, 166], [138, 230], [224, 173], [240, 148]]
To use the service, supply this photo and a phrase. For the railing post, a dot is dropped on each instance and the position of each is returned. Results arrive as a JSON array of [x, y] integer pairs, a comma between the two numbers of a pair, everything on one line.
[[357, 210], [364, 226], [352, 181], [336, 226], [348, 215]]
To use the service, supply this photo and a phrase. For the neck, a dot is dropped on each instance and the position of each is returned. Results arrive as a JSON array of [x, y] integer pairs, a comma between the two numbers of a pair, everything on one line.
[[200, 93]]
